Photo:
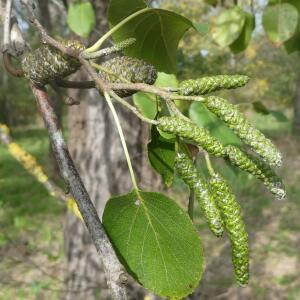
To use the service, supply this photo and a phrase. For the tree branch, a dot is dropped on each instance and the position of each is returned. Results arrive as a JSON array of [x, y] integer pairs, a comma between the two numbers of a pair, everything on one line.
[[114, 271], [161, 92], [43, 33]]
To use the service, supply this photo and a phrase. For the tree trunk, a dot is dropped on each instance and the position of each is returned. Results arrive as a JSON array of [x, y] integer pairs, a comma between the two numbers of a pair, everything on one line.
[[296, 123], [96, 149]]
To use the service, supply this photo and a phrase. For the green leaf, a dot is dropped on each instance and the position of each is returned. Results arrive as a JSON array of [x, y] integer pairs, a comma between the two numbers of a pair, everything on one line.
[[280, 22], [202, 28], [245, 37], [156, 241], [260, 108], [203, 117], [157, 32], [279, 116], [293, 44], [167, 136], [229, 25], [81, 18], [146, 103], [166, 80], [161, 153]]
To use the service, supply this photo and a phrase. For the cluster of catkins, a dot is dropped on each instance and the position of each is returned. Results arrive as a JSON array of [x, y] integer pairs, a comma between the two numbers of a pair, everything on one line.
[[215, 197]]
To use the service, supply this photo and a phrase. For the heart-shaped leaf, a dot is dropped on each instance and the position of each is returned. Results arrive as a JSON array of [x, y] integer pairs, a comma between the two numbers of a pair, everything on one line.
[[81, 18], [280, 22], [156, 241], [157, 32], [228, 27]]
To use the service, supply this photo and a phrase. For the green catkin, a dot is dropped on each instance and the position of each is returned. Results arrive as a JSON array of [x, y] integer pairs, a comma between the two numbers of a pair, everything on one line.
[[244, 129], [257, 168], [190, 131], [47, 64], [132, 69], [190, 175], [234, 225], [210, 84]]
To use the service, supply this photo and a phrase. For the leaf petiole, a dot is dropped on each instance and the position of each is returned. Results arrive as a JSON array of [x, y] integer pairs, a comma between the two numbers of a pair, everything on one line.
[[99, 43], [122, 138]]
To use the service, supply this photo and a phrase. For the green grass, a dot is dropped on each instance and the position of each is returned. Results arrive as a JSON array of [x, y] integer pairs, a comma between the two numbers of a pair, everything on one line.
[[30, 223], [18, 189]]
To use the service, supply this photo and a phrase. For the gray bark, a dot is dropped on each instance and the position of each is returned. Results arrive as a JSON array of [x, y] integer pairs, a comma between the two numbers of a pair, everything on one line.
[[96, 149]]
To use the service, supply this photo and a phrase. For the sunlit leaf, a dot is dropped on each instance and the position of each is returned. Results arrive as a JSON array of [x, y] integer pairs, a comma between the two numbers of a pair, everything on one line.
[[245, 37], [81, 18], [156, 241], [280, 22], [146, 103], [228, 27], [157, 32]]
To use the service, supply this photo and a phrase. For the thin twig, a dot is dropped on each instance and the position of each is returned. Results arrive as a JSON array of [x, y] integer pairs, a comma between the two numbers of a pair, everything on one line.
[[113, 269], [154, 90], [43, 33], [10, 67], [102, 85], [99, 83], [132, 108], [208, 163]]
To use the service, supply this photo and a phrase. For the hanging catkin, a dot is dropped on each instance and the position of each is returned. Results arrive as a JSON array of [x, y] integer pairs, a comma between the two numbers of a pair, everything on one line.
[[242, 127], [257, 168], [188, 172], [234, 225]]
